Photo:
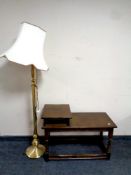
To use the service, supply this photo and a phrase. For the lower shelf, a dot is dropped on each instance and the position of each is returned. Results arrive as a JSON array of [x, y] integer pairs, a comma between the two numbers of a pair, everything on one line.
[[78, 156]]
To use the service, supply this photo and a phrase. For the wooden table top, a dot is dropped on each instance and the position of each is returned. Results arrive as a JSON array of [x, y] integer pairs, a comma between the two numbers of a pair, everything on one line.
[[91, 120], [59, 111]]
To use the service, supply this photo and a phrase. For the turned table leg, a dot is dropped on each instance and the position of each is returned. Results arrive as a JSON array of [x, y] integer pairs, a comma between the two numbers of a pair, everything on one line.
[[101, 135], [46, 155], [110, 135]]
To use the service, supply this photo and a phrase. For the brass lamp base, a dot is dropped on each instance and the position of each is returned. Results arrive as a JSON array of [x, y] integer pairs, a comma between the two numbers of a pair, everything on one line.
[[36, 150]]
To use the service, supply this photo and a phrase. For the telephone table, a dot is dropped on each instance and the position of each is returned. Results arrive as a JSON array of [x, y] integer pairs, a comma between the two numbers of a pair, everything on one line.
[[92, 121]]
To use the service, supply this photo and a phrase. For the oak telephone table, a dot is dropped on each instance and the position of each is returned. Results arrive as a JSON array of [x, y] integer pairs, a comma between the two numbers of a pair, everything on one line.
[[92, 121]]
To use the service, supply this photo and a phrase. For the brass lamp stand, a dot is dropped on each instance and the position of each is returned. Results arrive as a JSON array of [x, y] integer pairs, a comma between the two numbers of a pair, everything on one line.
[[36, 150], [24, 51]]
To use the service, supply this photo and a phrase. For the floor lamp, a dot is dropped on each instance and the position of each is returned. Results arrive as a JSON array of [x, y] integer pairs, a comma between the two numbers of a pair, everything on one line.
[[28, 49]]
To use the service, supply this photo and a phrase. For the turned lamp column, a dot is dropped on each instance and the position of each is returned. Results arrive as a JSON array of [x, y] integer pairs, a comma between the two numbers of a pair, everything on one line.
[[36, 150], [34, 103]]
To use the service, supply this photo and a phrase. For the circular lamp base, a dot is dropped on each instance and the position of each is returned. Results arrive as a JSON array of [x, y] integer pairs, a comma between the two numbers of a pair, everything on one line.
[[35, 151]]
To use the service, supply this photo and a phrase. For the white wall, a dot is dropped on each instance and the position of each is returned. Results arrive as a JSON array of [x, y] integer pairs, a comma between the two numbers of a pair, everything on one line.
[[88, 50]]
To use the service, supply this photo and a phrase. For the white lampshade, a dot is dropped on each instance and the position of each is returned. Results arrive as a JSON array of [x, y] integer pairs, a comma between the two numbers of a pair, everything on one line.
[[29, 47]]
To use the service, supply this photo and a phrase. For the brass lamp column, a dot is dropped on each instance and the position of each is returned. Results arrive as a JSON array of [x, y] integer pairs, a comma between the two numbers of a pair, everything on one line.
[[36, 150]]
